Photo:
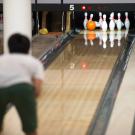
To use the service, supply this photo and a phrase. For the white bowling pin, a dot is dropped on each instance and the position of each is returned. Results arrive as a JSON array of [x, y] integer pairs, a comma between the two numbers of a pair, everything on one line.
[[127, 22], [100, 19], [119, 23], [112, 22], [104, 23], [91, 17], [85, 20], [104, 38]]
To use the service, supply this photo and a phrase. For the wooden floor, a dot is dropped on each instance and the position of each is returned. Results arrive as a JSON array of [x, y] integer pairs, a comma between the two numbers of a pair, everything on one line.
[[73, 86]]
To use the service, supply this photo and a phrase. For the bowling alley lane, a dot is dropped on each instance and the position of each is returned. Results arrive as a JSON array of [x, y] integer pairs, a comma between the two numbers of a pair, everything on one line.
[[75, 81]]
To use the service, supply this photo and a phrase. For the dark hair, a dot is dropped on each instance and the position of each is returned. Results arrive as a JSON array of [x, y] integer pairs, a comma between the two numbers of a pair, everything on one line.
[[18, 43]]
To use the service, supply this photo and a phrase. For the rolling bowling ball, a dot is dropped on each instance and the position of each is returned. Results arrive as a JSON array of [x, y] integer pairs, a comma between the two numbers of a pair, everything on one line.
[[91, 25]]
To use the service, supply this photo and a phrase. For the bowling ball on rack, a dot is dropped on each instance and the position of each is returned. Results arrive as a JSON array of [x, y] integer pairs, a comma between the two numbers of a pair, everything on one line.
[[91, 25], [43, 31]]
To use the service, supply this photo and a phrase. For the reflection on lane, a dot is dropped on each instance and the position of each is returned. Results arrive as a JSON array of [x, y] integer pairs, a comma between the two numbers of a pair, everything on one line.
[[74, 84], [104, 37]]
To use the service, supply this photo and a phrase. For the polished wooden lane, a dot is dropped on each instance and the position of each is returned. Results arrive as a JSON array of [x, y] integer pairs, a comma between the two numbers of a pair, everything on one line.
[[73, 86]]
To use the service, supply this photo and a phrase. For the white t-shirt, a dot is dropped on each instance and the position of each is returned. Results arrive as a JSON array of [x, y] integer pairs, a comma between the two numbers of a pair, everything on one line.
[[19, 68]]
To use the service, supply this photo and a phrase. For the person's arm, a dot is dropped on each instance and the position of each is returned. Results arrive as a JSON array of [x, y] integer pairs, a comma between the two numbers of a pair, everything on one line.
[[37, 75], [37, 83]]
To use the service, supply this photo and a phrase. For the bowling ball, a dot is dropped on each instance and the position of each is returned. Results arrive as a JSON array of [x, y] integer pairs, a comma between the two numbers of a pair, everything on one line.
[[91, 25], [43, 31], [91, 35]]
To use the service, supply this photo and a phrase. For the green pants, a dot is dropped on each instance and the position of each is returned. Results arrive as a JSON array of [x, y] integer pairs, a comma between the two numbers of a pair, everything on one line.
[[23, 98]]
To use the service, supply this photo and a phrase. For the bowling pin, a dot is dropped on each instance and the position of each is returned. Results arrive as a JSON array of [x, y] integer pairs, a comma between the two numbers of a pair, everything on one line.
[[85, 38], [99, 23], [104, 38], [118, 37], [119, 23], [91, 17], [100, 19], [127, 22], [104, 24], [112, 22], [85, 20], [111, 38]]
